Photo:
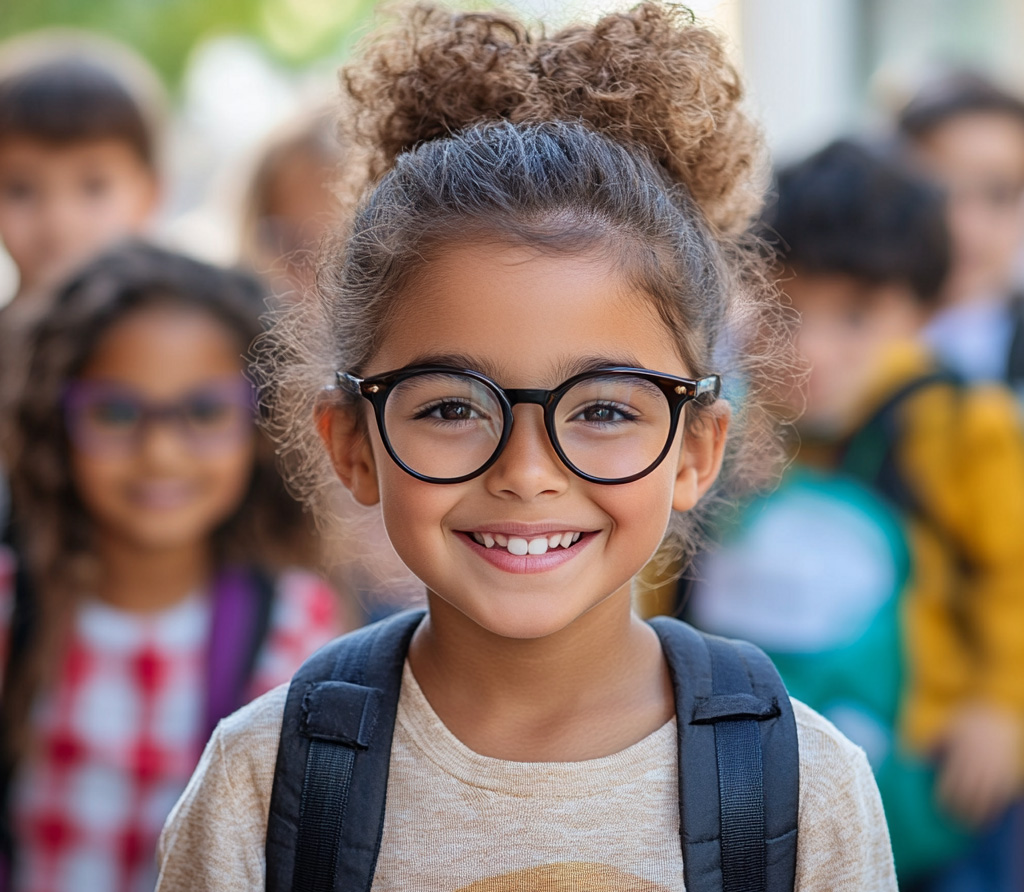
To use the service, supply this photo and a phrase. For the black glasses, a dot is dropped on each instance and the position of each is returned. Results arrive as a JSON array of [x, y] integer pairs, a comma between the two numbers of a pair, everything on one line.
[[448, 425]]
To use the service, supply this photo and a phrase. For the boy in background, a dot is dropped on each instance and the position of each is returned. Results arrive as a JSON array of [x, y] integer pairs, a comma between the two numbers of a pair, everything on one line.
[[78, 152], [864, 252], [967, 133]]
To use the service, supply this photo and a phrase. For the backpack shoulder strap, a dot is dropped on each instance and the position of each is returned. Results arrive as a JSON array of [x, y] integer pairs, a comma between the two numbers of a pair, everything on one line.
[[20, 638], [871, 456], [870, 453], [243, 601], [331, 778], [735, 719], [1015, 359]]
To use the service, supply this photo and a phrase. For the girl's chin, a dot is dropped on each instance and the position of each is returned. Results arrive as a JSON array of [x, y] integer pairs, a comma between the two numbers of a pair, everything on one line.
[[517, 616]]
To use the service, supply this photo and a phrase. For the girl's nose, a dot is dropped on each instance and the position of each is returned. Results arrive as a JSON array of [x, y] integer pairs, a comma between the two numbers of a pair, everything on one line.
[[161, 441], [528, 466]]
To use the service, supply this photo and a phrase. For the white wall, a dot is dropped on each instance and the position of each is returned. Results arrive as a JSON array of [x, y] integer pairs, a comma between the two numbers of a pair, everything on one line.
[[800, 64]]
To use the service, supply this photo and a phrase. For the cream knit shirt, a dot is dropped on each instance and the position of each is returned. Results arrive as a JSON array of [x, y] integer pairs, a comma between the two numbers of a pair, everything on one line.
[[461, 822]]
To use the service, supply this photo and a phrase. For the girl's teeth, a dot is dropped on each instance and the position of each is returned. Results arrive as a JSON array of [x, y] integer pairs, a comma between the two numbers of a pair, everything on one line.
[[520, 546]]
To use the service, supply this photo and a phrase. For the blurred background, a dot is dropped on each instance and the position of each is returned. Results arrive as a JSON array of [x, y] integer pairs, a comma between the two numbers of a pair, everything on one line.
[[236, 69]]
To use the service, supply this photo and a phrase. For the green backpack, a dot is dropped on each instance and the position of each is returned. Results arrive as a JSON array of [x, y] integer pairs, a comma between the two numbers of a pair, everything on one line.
[[813, 574]]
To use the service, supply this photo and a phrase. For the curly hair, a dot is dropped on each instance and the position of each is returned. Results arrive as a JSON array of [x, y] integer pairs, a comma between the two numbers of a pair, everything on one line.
[[624, 137], [53, 527]]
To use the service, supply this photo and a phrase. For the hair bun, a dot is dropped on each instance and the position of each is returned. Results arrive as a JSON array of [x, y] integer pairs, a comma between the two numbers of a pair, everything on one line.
[[649, 76]]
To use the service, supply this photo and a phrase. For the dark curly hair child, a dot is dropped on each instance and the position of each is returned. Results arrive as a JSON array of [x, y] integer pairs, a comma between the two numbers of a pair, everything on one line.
[[157, 550], [519, 338]]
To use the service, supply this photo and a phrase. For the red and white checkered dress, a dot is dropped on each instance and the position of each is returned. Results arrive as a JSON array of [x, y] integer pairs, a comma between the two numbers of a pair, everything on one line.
[[118, 735]]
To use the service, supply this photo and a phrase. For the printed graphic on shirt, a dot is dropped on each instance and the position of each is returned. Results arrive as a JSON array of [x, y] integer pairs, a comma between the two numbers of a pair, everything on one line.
[[568, 876]]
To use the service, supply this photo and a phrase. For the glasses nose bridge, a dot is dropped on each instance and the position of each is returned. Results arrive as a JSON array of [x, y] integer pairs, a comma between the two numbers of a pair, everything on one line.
[[541, 398], [161, 415], [531, 396]]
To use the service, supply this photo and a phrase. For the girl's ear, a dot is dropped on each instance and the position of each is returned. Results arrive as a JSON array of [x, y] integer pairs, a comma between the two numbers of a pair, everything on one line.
[[348, 445], [700, 459]]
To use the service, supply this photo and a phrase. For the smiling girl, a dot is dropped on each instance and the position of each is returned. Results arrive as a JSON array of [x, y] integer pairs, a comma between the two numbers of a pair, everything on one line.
[[158, 588], [521, 335]]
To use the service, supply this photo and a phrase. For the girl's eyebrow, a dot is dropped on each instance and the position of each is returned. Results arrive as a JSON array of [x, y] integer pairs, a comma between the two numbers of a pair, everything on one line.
[[459, 361], [579, 365], [565, 368]]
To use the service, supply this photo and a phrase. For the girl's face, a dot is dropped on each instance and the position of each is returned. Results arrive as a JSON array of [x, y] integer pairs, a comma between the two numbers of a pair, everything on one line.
[[160, 424], [527, 321]]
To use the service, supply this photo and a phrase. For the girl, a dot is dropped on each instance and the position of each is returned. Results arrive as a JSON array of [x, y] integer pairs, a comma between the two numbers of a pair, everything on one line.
[[155, 540], [289, 205], [543, 271]]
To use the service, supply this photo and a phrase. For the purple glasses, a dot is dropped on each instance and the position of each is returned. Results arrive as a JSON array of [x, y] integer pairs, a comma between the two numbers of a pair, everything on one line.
[[107, 418]]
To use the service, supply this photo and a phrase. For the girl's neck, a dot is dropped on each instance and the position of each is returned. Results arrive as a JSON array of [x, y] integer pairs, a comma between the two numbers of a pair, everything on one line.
[[593, 689], [139, 579]]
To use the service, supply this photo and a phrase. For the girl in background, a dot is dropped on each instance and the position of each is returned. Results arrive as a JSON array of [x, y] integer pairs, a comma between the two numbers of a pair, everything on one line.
[[157, 586], [290, 206], [290, 210]]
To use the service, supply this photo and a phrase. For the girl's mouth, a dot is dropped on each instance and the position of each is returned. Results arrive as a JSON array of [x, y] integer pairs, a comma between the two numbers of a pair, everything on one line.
[[521, 545], [527, 553]]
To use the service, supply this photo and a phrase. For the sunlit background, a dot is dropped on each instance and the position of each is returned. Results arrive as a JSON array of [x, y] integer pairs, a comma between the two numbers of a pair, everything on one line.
[[235, 69]]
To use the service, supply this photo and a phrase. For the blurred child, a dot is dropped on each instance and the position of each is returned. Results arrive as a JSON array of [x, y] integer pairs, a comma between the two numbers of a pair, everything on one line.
[[864, 248], [291, 206], [157, 547], [78, 151], [968, 133], [291, 210], [520, 331]]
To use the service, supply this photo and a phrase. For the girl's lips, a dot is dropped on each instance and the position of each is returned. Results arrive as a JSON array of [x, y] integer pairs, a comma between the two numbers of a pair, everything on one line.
[[162, 495], [528, 563]]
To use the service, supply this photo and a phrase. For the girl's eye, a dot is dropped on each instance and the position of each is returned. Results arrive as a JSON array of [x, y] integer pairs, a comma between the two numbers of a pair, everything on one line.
[[16, 191], [115, 413], [206, 412], [605, 413], [450, 410]]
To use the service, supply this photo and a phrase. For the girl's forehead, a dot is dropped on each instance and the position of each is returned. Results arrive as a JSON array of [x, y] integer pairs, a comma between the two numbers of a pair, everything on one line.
[[165, 348], [524, 314]]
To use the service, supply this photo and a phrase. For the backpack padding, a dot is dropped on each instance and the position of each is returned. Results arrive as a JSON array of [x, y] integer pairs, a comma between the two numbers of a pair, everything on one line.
[[330, 782], [733, 717]]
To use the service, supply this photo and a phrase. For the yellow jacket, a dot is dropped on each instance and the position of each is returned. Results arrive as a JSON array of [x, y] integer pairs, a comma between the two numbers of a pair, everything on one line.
[[962, 453]]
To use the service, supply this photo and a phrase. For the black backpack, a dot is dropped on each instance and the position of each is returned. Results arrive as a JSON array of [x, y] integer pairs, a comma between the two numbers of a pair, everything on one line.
[[738, 761]]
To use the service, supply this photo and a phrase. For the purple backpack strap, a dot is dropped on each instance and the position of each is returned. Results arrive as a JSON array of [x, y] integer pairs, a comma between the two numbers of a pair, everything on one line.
[[242, 603]]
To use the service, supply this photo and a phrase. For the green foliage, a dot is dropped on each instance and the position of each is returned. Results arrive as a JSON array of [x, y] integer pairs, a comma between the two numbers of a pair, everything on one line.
[[164, 31]]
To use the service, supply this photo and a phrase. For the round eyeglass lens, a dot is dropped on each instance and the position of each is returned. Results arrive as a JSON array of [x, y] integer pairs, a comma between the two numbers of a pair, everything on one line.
[[443, 425], [613, 426]]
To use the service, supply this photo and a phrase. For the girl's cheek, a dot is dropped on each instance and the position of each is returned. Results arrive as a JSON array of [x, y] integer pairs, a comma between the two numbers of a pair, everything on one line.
[[234, 470]]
